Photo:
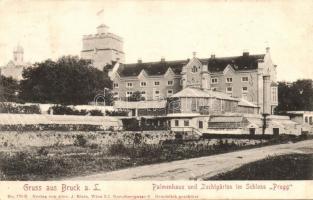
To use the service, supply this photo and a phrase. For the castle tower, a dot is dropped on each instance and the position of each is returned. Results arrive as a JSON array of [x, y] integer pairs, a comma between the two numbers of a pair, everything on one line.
[[103, 47], [18, 54]]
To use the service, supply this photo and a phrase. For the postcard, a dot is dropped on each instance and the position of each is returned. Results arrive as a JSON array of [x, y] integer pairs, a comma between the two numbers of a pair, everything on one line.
[[152, 100]]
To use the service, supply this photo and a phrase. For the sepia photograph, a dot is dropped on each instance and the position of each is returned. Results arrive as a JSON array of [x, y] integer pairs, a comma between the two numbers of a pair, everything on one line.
[[160, 90]]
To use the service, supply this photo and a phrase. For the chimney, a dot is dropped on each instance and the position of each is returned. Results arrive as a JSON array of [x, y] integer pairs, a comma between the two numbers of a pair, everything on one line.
[[245, 52], [267, 49], [194, 54], [139, 60], [162, 59], [212, 56]]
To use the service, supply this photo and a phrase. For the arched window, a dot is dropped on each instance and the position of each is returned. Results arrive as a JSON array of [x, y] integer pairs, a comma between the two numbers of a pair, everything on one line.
[[194, 69]]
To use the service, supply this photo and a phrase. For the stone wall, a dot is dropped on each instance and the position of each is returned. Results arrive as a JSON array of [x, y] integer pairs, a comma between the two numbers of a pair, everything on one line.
[[51, 138]]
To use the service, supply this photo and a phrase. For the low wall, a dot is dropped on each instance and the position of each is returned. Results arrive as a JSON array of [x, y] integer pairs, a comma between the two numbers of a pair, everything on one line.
[[51, 138]]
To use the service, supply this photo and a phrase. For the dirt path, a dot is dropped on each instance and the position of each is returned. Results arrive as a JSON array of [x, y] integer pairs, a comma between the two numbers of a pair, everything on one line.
[[203, 167]]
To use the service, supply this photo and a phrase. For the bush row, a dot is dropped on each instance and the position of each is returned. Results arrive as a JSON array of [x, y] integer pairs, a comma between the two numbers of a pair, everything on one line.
[[19, 109], [54, 127], [66, 110]]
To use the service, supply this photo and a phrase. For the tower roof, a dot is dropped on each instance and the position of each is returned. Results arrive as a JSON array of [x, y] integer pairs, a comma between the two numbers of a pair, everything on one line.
[[102, 26]]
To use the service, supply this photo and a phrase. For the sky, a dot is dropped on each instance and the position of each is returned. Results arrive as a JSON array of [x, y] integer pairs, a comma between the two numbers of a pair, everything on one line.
[[169, 28]]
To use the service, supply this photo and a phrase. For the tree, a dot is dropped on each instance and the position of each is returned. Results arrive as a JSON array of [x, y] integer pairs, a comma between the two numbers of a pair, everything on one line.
[[136, 96], [69, 80], [8, 89], [295, 96]]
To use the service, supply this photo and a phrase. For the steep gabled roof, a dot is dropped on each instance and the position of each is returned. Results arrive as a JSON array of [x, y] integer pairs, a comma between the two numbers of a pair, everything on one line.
[[152, 68], [244, 62]]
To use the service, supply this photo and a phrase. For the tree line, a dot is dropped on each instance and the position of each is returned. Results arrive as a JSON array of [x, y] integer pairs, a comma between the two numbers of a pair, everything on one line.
[[67, 81], [73, 81]]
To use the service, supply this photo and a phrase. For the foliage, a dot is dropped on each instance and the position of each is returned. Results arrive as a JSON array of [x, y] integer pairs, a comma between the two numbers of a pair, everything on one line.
[[136, 96], [8, 89], [54, 127], [80, 140], [69, 80], [65, 110], [295, 96], [117, 149], [19, 109], [116, 113], [96, 112]]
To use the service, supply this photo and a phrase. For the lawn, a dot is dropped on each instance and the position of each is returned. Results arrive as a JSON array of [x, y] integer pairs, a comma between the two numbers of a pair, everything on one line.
[[55, 162], [284, 167]]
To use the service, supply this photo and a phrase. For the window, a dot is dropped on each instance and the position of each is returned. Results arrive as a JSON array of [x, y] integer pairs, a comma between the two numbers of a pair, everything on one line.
[[194, 69], [201, 124], [115, 85], [229, 80], [143, 93], [229, 90], [156, 94], [169, 92], [143, 84], [156, 83], [274, 94], [214, 80], [244, 79], [245, 96], [182, 82], [244, 89], [129, 85], [169, 82], [186, 122], [310, 121], [176, 123], [115, 94], [252, 131], [214, 89], [129, 93], [306, 120]]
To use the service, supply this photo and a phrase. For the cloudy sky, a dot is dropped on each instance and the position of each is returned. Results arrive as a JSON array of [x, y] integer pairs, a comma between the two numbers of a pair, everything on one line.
[[171, 29]]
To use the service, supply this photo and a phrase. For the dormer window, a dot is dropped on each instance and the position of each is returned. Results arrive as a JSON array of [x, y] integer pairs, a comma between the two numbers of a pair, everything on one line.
[[194, 69], [229, 80], [143, 84], [129, 85]]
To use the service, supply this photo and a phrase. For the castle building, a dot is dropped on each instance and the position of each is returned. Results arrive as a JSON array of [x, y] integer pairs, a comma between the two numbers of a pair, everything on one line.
[[15, 67], [198, 97], [248, 77], [102, 48]]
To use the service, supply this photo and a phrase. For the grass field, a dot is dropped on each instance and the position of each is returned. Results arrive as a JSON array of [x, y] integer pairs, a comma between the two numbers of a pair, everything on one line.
[[48, 163], [284, 167]]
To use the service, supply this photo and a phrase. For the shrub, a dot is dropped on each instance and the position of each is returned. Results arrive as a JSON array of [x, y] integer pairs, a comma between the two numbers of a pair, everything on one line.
[[96, 113], [80, 140], [118, 149], [19, 108], [116, 113], [65, 110], [43, 151]]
